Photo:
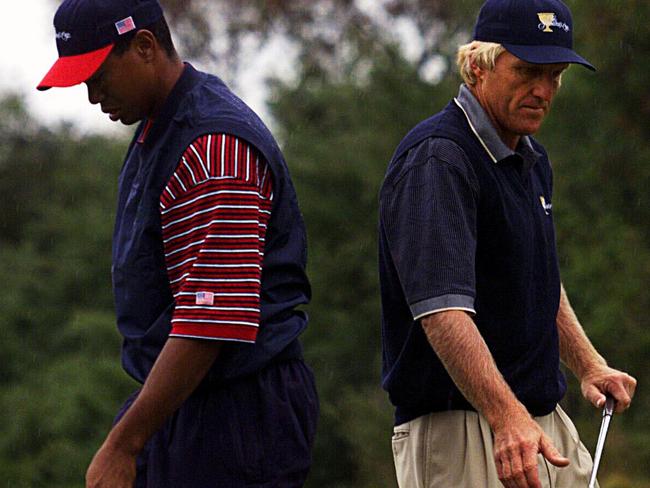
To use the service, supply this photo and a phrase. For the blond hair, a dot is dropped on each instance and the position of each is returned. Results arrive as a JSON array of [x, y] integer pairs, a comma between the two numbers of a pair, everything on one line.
[[484, 54]]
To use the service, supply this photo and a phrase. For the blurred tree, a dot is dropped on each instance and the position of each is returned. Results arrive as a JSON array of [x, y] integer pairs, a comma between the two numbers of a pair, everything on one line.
[[332, 36], [60, 377]]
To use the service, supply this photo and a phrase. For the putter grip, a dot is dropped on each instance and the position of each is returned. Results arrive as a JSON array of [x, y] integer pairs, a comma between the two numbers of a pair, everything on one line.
[[610, 404]]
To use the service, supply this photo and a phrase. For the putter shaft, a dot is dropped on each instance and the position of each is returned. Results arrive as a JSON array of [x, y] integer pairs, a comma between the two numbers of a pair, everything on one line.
[[608, 411]]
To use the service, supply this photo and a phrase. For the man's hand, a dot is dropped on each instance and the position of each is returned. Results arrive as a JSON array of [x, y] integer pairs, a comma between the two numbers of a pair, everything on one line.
[[111, 468], [516, 445], [603, 380]]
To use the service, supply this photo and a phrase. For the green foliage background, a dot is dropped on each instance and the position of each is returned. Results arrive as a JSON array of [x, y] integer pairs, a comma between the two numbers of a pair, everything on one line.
[[60, 377]]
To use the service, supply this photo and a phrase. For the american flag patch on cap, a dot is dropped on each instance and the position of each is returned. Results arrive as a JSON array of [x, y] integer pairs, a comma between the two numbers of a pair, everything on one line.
[[125, 25], [204, 298]]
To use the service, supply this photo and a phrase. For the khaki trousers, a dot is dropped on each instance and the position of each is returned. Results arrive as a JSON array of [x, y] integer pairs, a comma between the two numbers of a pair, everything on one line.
[[454, 450]]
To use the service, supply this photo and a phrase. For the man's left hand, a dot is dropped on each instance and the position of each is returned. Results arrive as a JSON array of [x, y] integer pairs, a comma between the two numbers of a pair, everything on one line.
[[602, 381], [111, 468]]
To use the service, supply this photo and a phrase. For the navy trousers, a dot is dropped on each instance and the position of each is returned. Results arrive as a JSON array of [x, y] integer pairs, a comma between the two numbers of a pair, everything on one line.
[[255, 432]]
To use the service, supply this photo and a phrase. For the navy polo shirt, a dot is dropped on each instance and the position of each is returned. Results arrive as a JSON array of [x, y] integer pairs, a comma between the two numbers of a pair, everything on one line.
[[466, 224]]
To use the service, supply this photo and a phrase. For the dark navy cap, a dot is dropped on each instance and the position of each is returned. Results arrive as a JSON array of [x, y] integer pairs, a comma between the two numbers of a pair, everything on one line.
[[86, 31], [537, 31]]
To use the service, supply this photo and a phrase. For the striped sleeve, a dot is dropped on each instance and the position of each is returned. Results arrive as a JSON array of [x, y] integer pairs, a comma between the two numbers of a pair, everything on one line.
[[214, 214]]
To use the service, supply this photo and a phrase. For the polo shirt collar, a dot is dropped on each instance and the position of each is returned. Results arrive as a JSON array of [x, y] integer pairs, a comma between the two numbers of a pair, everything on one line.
[[482, 127]]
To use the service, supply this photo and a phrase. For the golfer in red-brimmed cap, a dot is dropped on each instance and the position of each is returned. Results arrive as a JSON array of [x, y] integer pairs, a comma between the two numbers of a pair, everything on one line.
[[209, 257]]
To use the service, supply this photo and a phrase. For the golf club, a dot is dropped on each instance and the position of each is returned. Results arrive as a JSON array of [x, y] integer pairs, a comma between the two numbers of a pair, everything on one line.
[[608, 411]]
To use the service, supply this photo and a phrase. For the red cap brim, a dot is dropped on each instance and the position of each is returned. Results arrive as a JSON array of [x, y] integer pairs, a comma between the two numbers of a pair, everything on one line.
[[72, 70]]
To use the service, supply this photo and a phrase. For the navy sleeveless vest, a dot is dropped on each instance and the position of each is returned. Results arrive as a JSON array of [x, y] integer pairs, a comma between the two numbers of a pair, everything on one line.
[[200, 104]]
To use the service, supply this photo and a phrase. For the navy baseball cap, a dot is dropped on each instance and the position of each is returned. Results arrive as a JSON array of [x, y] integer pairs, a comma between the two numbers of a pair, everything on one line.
[[537, 31], [86, 31]]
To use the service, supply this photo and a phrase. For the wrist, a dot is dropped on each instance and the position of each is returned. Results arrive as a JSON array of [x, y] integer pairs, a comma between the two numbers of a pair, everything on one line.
[[120, 439], [504, 415], [589, 368]]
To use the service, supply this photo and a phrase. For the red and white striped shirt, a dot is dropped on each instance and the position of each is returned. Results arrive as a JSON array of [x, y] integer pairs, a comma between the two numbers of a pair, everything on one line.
[[214, 212]]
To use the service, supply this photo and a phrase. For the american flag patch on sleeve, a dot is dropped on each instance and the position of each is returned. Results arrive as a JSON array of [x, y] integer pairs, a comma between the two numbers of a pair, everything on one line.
[[125, 25], [204, 298]]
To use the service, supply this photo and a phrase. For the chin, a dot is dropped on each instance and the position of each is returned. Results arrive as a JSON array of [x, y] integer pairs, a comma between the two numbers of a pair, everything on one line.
[[129, 120], [528, 129]]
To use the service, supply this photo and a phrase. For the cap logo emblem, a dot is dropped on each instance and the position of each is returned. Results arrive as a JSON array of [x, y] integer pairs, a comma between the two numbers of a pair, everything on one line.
[[64, 36], [125, 25], [546, 206], [548, 20]]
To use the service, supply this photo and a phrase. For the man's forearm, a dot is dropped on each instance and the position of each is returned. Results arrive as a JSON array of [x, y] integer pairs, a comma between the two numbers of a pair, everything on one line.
[[576, 350], [459, 345], [179, 369]]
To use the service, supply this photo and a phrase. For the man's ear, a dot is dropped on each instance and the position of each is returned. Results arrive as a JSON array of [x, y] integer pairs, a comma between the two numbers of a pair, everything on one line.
[[476, 70], [145, 44]]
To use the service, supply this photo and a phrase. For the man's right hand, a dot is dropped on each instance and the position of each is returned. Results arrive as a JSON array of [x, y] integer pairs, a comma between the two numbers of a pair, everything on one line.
[[517, 437], [517, 441]]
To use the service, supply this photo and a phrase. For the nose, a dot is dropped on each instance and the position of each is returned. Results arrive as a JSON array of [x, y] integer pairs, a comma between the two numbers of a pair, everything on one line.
[[95, 95], [545, 87]]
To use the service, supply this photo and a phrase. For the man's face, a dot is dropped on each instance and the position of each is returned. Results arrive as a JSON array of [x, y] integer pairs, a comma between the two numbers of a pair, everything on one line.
[[123, 86], [517, 95]]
